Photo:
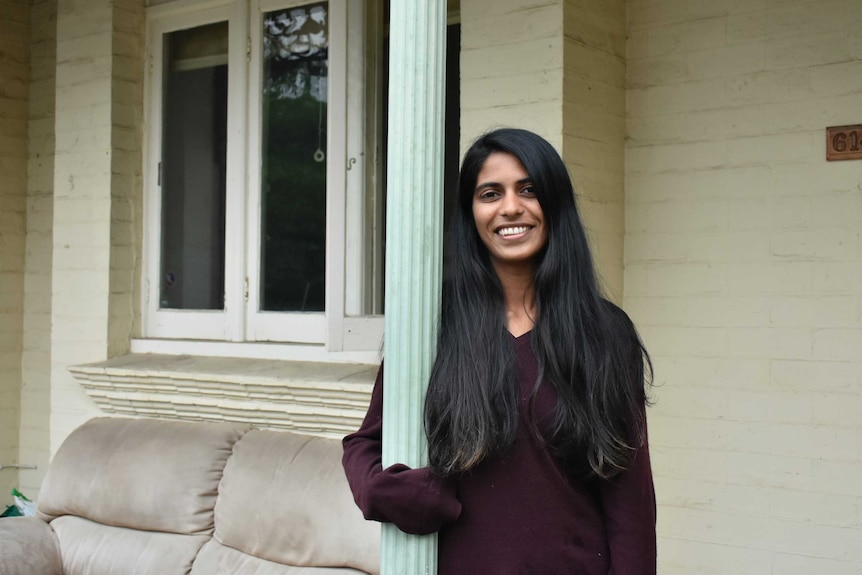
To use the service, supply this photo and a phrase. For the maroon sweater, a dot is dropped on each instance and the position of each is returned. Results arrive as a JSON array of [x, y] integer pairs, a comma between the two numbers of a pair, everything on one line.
[[518, 513]]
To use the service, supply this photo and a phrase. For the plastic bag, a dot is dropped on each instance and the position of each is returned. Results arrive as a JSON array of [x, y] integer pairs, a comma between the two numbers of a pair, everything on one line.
[[23, 503], [11, 511]]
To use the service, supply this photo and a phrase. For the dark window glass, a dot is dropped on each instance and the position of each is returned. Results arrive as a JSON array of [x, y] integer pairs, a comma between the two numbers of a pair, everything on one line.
[[293, 206], [193, 168]]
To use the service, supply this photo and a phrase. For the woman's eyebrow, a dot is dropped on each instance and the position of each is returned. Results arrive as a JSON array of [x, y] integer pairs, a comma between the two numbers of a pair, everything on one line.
[[484, 185]]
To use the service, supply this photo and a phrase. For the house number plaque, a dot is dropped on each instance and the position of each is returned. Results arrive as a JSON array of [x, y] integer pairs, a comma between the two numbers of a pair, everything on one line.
[[844, 143]]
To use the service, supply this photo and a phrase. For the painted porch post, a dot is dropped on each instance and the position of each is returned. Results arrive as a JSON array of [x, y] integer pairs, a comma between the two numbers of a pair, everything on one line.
[[414, 222]]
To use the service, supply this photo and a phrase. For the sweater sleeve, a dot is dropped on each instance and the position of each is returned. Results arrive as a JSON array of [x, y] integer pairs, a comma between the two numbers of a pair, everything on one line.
[[415, 500], [628, 500]]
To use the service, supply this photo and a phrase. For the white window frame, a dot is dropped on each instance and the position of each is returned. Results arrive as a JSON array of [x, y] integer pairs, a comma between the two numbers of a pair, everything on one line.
[[341, 328]]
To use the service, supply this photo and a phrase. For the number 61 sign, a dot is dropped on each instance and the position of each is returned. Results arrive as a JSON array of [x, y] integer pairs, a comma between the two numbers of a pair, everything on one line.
[[844, 143]]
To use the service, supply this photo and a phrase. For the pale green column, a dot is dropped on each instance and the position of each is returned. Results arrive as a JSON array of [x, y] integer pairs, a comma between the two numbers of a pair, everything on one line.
[[414, 220]]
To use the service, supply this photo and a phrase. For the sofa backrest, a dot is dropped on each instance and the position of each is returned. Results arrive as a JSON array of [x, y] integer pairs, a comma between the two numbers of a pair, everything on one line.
[[151, 475], [284, 498]]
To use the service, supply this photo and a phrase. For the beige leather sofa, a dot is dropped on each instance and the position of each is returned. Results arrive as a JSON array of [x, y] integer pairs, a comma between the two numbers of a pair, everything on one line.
[[149, 497]]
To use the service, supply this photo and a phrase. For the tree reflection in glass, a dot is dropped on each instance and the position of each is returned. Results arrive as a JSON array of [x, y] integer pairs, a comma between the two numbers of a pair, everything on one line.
[[293, 207]]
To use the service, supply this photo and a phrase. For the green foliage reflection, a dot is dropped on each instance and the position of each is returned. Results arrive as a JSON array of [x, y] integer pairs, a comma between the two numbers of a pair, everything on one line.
[[294, 170]]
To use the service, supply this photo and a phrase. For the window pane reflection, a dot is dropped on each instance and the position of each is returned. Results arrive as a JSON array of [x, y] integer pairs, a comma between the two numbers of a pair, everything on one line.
[[193, 168], [293, 218]]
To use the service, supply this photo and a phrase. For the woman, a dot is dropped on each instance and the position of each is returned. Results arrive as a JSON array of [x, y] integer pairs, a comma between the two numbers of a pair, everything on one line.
[[535, 406]]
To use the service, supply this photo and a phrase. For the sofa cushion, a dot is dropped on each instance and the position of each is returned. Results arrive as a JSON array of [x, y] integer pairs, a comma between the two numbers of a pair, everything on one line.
[[284, 498], [154, 475], [90, 548], [217, 559], [28, 546]]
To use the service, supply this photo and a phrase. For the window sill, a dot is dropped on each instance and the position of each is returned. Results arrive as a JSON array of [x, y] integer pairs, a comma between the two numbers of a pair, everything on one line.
[[256, 350], [326, 399]]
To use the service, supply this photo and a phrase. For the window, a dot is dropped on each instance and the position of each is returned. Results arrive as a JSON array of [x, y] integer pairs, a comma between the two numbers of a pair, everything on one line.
[[264, 176]]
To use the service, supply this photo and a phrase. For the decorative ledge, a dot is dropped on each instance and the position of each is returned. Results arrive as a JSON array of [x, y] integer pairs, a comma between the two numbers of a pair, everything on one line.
[[327, 399]]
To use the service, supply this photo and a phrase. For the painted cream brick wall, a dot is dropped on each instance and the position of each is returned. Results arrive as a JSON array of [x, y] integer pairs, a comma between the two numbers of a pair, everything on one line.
[[127, 180], [744, 273], [36, 360], [594, 110], [81, 224], [14, 64], [512, 67], [96, 190]]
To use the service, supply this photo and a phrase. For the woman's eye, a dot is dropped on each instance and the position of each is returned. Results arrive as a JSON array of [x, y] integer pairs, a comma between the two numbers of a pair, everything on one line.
[[528, 191], [489, 195]]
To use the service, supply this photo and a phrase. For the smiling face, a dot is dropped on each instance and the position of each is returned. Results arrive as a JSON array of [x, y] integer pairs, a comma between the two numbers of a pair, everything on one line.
[[507, 213]]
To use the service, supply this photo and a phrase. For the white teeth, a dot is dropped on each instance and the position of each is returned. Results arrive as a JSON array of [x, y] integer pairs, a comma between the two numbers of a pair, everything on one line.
[[512, 231]]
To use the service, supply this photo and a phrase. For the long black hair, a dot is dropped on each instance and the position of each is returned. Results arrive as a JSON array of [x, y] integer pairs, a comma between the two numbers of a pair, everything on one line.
[[586, 347]]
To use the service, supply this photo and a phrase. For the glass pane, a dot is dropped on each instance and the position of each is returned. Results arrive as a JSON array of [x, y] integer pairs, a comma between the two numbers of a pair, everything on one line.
[[294, 102], [193, 168]]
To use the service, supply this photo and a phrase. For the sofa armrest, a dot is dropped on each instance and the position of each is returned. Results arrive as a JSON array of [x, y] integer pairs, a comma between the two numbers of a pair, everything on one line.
[[28, 545]]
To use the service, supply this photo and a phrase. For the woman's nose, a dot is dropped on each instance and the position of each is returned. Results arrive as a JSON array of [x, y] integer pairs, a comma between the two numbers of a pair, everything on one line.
[[511, 204]]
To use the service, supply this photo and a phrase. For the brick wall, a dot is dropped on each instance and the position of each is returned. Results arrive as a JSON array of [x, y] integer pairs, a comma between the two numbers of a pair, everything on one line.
[[14, 63], [511, 67], [594, 111], [96, 195], [744, 273], [82, 206], [127, 182], [36, 359]]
